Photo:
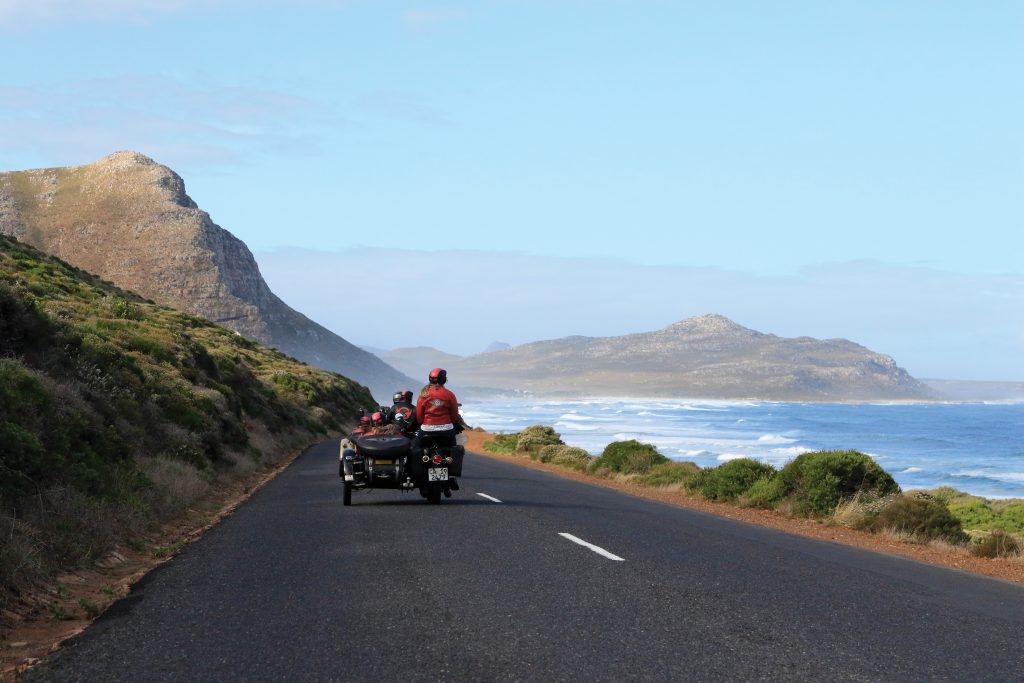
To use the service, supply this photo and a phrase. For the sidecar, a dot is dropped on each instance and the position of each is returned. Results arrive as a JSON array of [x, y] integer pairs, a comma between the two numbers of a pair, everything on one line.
[[375, 461]]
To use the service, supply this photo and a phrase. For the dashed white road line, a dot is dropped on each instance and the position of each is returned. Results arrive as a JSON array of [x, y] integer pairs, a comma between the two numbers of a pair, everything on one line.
[[492, 498], [596, 549]]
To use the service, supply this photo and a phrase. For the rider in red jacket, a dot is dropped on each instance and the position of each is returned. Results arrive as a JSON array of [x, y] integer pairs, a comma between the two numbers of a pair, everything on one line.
[[437, 411]]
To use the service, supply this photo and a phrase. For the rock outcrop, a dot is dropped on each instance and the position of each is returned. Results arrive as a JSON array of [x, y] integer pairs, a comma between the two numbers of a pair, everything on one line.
[[708, 356], [128, 220]]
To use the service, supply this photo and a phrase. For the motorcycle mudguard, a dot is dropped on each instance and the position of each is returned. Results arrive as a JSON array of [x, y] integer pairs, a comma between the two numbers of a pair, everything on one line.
[[458, 453]]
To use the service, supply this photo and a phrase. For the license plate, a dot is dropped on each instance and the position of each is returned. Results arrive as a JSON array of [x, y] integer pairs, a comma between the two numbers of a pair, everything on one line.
[[437, 474], [383, 462], [349, 477]]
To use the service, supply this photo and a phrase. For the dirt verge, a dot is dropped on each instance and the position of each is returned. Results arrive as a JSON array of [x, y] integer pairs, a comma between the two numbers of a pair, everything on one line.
[[1011, 569]]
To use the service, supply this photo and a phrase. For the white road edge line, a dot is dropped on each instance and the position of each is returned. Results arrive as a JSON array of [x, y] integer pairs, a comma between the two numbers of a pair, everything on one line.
[[484, 495], [596, 549]]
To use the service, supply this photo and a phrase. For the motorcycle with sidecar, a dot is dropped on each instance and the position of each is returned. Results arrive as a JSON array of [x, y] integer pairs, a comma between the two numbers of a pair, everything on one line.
[[389, 461]]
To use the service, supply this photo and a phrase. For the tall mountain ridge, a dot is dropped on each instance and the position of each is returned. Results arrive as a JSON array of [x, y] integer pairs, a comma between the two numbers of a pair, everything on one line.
[[707, 356], [128, 220]]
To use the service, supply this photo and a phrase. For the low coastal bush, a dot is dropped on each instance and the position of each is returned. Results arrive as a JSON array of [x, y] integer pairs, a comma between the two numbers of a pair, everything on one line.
[[1011, 518], [921, 517], [502, 443], [983, 515], [730, 480], [629, 457], [668, 474], [569, 456], [974, 514], [532, 439], [997, 543], [815, 483], [766, 492]]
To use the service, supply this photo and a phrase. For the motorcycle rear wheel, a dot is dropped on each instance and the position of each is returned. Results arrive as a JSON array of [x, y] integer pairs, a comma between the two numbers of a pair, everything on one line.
[[346, 496], [434, 492]]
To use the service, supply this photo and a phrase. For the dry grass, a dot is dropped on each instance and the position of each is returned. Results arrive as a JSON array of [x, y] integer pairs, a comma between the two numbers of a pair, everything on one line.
[[998, 543], [176, 484], [858, 512]]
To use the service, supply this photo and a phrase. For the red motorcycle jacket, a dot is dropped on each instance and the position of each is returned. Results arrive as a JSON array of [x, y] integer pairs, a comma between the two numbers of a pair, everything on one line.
[[437, 409]]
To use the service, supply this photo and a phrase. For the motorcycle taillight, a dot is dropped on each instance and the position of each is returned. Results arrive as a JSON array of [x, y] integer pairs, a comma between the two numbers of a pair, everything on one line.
[[437, 459]]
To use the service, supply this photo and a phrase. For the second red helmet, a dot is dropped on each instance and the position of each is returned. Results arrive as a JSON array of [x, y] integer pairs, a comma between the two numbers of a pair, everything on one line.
[[438, 376]]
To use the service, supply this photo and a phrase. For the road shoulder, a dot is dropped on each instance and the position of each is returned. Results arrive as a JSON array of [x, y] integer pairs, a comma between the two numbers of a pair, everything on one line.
[[938, 554]]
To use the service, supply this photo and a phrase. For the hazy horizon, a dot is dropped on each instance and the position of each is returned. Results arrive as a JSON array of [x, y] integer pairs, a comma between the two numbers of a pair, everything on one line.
[[571, 167]]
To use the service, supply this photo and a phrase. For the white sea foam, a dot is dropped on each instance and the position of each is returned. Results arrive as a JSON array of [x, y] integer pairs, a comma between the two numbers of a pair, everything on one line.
[[792, 451], [1012, 477], [775, 438], [576, 427], [911, 470], [725, 457], [576, 416]]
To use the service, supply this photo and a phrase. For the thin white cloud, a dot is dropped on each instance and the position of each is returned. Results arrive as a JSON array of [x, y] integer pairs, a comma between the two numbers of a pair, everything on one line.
[[427, 16], [934, 323], [34, 11], [402, 105], [168, 119], [15, 13]]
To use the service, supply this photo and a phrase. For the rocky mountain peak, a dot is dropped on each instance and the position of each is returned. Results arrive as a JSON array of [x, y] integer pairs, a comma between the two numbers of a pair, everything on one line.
[[129, 220], [708, 324], [125, 159]]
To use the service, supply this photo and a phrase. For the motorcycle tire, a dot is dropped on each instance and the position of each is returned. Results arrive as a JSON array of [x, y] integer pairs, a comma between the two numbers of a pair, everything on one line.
[[346, 496]]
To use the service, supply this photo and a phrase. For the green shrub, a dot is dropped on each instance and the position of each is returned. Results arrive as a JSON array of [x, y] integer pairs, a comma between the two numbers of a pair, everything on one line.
[[630, 457], [924, 518], [122, 308], [597, 468], [669, 474], [997, 543], [536, 437], [546, 453], [973, 515], [568, 456], [730, 480], [502, 443], [766, 492], [92, 610], [1011, 518], [817, 482]]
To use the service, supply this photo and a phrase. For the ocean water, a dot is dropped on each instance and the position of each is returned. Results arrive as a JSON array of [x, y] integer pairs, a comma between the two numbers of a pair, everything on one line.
[[973, 447]]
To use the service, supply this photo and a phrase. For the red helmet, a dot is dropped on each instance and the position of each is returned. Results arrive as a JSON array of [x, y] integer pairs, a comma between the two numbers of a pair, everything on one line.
[[438, 376], [364, 421], [376, 419], [407, 396]]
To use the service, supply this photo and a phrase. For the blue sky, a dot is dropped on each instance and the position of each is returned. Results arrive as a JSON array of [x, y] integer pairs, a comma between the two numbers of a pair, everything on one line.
[[742, 151]]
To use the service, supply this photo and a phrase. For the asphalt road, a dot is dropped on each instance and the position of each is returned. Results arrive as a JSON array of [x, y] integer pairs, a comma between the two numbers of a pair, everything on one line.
[[294, 586]]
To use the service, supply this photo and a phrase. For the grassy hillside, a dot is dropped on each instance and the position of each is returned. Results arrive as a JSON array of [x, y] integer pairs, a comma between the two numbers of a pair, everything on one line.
[[116, 413]]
